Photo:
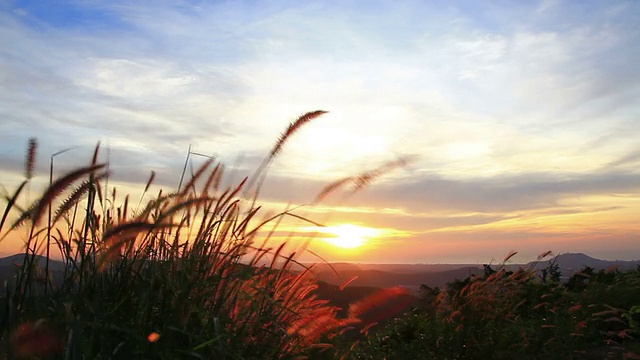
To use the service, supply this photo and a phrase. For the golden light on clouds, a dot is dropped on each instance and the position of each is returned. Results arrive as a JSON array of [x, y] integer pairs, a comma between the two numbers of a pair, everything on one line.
[[328, 149], [505, 160]]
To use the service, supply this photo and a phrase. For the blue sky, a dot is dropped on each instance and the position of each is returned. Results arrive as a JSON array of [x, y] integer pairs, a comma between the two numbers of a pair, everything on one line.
[[521, 113]]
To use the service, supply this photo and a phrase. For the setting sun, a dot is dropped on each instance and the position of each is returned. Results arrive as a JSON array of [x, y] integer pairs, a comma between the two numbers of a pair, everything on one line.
[[348, 236]]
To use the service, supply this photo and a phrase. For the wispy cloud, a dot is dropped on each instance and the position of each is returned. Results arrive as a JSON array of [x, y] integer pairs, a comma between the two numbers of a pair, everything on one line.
[[503, 193]]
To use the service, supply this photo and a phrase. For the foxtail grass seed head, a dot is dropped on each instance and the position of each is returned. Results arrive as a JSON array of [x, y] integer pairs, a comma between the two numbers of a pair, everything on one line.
[[174, 265], [30, 161]]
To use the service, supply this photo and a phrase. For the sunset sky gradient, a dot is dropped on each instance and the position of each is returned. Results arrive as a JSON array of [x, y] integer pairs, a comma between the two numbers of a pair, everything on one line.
[[523, 115]]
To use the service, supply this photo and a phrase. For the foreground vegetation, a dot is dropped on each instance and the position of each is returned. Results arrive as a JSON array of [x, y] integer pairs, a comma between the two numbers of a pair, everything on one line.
[[191, 274], [526, 314], [188, 274]]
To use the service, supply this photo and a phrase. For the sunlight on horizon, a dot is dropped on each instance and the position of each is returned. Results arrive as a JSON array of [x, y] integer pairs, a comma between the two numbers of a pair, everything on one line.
[[348, 236]]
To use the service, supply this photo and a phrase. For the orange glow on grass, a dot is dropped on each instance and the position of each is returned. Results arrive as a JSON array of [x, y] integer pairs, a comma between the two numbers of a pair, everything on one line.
[[153, 337]]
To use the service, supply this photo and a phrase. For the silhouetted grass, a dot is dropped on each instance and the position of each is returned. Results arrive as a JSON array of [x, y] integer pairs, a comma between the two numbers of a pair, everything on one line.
[[517, 315], [190, 274], [181, 276]]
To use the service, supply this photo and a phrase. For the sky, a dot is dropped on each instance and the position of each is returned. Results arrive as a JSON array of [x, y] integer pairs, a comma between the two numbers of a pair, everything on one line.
[[522, 117]]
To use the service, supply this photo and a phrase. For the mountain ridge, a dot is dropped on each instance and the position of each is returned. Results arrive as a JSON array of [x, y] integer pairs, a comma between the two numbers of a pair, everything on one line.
[[412, 276]]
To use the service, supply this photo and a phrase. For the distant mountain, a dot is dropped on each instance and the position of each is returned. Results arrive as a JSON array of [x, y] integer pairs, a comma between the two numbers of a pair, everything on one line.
[[18, 259], [9, 267], [389, 275], [570, 263], [414, 275]]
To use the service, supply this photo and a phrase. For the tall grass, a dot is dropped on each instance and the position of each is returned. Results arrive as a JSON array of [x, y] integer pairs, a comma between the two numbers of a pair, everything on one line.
[[504, 314], [188, 274]]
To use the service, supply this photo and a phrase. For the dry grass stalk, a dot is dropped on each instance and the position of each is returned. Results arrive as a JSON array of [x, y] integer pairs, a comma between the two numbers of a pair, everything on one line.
[[163, 276], [150, 181], [11, 204], [30, 162], [57, 187], [75, 197], [347, 282], [258, 175], [362, 180], [292, 129], [36, 210], [191, 184]]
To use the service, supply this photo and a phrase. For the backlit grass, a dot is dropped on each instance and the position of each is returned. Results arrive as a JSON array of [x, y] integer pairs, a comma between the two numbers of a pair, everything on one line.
[[189, 274]]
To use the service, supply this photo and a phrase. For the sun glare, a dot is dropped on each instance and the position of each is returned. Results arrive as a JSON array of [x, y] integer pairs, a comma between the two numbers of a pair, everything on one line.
[[348, 236]]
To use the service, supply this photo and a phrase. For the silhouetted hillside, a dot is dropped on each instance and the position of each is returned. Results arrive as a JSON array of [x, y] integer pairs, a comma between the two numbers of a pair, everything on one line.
[[343, 298], [570, 263], [384, 279], [380, 314], [391, 268], [9, 266], [18, 259]]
